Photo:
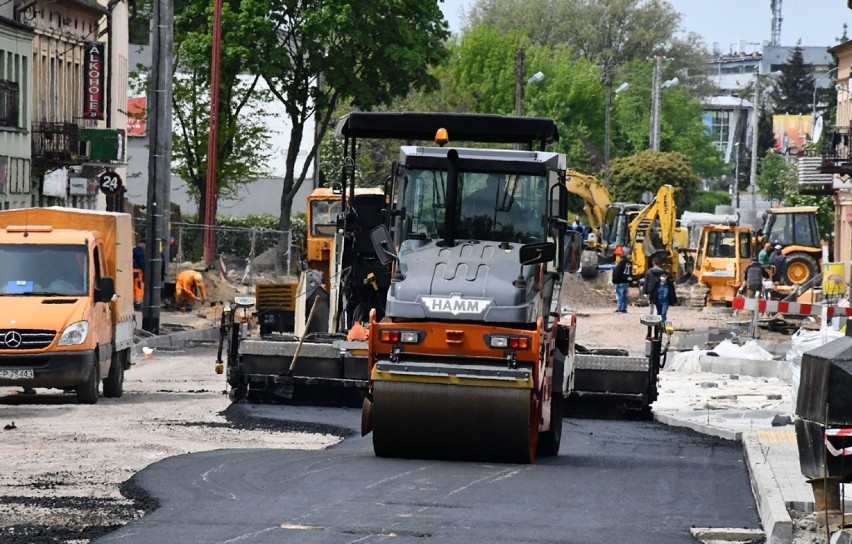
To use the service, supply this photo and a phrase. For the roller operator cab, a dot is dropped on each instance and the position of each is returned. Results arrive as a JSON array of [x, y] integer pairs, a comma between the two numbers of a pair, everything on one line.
[[66, 300], [469, 360]]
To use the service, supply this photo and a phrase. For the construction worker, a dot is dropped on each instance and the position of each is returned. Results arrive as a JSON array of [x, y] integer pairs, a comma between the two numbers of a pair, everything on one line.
[[138, 275], [765, 253], [189, 287], [754, 275], [621, 279]]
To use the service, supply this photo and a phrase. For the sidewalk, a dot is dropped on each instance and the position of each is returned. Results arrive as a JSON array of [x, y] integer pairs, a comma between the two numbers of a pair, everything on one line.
[[742, 407]]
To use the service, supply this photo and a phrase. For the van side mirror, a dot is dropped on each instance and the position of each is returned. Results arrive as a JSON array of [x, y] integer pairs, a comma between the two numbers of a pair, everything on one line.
[[385, 250], [540, 252], [105, 290]]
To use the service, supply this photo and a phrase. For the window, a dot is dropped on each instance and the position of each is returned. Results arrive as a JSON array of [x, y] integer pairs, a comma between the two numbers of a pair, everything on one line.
[[499, 207], [324, 217], [9, 100]]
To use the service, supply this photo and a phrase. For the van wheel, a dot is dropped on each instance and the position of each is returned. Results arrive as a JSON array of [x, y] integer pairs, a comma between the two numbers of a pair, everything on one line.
[[114, 383], [87, 392]]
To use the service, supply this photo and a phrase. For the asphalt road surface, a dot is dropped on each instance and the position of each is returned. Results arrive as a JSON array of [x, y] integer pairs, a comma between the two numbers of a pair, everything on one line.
[[614, 481]]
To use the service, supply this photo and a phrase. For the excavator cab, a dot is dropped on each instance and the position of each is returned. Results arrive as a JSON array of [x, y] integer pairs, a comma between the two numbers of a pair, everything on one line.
[[723, 253]]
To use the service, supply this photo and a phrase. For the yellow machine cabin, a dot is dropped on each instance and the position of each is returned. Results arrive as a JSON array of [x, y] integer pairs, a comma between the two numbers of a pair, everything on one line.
[[723, 253]]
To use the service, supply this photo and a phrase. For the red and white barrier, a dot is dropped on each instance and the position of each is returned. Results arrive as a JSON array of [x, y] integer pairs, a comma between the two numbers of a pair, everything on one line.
[[795, 308], [837, 432]]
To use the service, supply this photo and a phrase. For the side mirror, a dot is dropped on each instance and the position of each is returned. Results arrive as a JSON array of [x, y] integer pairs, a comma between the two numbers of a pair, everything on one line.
[[385, 250], [540, 252], [106, 290]]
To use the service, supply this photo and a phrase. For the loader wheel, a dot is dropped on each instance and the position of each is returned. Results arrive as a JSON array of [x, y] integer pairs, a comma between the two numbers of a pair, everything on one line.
[[87, 392], [800, 267], [114, 383], [549, 442]]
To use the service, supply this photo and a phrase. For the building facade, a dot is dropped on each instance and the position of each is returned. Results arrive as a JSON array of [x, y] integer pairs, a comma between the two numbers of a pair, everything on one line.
[[78, 105], [837, 160], [16, 46]]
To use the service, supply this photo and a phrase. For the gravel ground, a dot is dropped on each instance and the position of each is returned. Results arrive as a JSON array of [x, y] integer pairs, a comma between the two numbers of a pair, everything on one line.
[[68, 468]]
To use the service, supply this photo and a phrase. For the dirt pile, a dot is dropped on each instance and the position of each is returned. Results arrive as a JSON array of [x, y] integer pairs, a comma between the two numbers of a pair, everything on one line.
[[580, 293]]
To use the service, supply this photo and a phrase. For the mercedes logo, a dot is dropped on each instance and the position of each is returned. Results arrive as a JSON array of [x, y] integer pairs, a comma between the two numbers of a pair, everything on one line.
[[13, 339]]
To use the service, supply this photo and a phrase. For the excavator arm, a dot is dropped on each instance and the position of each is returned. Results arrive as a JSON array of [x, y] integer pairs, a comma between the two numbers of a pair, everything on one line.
[[647, 237], [595, 197]]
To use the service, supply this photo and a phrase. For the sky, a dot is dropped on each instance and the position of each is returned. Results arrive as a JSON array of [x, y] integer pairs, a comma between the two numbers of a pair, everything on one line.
[[815, 22]]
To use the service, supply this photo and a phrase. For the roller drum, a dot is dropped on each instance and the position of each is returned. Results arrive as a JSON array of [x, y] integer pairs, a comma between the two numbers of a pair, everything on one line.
[[433, 420]]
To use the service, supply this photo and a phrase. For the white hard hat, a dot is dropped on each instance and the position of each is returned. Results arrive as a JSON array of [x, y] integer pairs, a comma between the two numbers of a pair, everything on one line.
[[198, 276]]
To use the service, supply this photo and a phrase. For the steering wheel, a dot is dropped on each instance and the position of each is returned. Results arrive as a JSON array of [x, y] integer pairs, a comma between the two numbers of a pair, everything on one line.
[[62, 285]]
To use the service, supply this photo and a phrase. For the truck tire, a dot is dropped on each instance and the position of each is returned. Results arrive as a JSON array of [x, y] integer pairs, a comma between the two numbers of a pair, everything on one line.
[[87, 392], [114, 383], [799, 268], [549, 441], [589, 265]]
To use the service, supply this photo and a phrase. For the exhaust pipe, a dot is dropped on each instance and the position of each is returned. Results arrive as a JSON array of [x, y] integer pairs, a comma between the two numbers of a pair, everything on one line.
[[452, 198]]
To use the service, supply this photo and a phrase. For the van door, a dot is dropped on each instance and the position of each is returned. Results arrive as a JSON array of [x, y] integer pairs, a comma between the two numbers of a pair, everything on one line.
[[101, 322]]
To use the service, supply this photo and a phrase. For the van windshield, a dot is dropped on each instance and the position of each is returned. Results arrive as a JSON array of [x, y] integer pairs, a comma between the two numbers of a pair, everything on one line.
[[44, 270]]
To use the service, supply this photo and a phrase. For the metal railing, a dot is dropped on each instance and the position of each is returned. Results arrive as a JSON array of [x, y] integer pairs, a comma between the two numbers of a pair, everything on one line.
[[837, 150], [56, 141]]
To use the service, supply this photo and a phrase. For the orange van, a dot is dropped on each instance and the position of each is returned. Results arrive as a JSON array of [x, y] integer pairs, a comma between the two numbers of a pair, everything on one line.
[[66, 300]]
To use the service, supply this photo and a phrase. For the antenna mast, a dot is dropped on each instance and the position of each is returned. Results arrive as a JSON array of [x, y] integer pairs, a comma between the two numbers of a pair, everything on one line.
[[776, 22]]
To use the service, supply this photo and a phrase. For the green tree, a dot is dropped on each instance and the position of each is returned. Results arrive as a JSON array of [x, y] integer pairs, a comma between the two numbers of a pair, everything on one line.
[[607, 32], [648, 171], [243, 139], [776, 177], [367, 53], [794, 89]]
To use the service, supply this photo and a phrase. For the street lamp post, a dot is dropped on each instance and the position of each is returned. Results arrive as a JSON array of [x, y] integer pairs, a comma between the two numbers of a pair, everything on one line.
[[607, 119], [737, 173]]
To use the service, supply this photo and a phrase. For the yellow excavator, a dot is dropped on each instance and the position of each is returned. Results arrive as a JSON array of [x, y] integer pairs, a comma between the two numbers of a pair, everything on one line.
[[642, 230]]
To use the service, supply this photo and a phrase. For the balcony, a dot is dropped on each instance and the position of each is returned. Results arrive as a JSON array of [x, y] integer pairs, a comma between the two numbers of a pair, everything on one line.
[[837, 151], [56, 142]]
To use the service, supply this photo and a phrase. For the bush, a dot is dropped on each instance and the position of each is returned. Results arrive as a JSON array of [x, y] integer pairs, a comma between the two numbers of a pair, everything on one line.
[[706, 202]]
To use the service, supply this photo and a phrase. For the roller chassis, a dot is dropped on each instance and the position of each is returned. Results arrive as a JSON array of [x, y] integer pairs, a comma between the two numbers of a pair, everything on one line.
[[612, 376]]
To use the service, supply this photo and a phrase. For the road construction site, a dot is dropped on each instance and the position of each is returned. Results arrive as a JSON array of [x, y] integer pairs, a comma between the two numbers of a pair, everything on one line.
[[70, 467]]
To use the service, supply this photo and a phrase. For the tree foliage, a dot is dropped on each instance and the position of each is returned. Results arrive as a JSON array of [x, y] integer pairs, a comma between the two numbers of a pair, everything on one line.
[[648, 171], [367, 52], [776, 178], [793, 92], [706, 201]]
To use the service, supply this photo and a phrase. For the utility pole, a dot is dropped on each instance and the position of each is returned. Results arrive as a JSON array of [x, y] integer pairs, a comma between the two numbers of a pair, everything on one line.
[[159, 162], [755, 118], [213, 138], [519, 82], [655, 103]]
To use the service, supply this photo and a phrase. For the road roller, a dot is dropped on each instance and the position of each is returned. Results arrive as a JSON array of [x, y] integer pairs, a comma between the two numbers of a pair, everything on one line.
[[469, 359]]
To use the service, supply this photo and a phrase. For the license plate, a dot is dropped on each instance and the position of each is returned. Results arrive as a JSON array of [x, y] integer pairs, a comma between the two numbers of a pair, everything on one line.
[[16, 374]]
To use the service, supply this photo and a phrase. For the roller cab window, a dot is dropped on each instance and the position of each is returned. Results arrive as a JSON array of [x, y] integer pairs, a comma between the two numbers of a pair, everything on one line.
[[491, 206]]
